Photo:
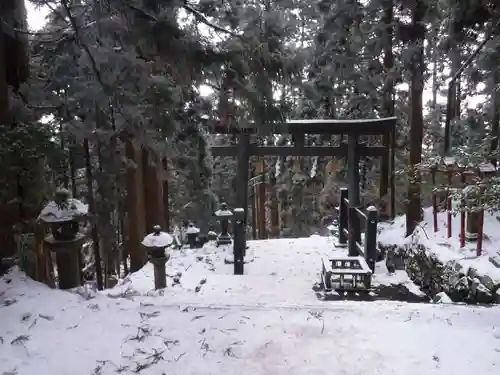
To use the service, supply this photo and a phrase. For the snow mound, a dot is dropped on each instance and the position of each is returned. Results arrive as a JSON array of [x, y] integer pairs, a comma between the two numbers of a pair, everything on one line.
[[448, 249]]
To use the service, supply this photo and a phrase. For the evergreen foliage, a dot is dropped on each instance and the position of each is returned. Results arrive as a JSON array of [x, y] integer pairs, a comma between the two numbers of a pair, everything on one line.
[[105, 70]]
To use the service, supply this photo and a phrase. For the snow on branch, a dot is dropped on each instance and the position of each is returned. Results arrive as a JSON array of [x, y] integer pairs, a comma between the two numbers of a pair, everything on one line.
[[201, 17]]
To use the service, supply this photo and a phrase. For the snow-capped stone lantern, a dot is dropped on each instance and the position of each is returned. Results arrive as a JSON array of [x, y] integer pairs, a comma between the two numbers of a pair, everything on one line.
[[224, 214], [63, 214], [192, 233], [486, 170], [211, 235], [155, 244]]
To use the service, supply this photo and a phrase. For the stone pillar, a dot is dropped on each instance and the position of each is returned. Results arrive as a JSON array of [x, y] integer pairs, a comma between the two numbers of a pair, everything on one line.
[[472, 225]]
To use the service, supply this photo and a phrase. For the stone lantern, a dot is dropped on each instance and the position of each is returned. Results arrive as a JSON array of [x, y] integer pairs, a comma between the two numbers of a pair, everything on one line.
[[224, 214], [192, 233], [473, 195], [486, 170], [212, 235], [155, 244], [63, 214]]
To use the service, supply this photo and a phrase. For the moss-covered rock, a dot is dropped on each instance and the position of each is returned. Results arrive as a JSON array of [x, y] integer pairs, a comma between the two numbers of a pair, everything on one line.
[[435, 277]]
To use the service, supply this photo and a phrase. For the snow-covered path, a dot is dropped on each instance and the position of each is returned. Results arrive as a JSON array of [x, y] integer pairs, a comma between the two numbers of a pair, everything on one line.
[[266, 322]]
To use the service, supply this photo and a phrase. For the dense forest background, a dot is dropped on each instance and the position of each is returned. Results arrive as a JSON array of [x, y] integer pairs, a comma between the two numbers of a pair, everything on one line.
[[163, 71]]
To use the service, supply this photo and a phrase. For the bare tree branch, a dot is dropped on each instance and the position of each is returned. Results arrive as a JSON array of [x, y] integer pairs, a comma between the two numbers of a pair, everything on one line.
[[38, 107], [13, 30], [202, 18], [84, 46]]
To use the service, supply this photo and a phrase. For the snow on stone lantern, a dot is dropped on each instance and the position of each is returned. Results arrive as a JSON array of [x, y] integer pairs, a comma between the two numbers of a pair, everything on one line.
[[224, 214], [212, 234], [486, 170], [63, 214], [192, 233], [155, 244]]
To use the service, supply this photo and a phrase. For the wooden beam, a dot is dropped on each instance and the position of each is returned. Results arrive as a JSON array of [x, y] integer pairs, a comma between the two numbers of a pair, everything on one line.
[[228, 151], [349, 127]]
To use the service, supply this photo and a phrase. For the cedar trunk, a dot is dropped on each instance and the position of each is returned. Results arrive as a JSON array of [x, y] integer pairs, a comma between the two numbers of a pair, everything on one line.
[[388, 103], [417, 68]]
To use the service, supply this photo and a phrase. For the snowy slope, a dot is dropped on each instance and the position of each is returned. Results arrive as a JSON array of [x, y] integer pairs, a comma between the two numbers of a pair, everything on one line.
[[447, 249], [265, 322]]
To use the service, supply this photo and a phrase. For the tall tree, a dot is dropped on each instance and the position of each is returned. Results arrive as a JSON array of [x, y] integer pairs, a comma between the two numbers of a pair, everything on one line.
[[417, 31]]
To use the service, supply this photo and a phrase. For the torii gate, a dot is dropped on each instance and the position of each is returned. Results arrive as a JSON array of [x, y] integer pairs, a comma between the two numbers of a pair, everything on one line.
[[353, 150]]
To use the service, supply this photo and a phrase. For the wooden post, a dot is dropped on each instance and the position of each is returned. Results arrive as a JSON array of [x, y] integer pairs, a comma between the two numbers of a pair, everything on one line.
[[392, 172], [434, 199], [253, 202], [275, 219], [354, 199], [462, 227], [343, 216], [371, 237], [136, 228], [242, 176], [462, 212], [238, 241], [384, 173], [261, 196], [479, 244], [254, 214], [448, 204]]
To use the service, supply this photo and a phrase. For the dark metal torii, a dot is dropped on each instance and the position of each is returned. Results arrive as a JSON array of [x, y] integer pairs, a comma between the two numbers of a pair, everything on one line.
[[353, 150]]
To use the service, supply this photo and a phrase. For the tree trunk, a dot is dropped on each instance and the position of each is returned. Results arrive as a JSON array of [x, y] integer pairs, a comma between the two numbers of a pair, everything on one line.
[[92, 211], [136, 226], [153, 197], [495, 116], [456, 62], [417, 68], [388, 101], [166, 203]]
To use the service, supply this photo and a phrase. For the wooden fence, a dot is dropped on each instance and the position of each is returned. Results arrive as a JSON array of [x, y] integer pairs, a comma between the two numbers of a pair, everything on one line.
[[351, 221]]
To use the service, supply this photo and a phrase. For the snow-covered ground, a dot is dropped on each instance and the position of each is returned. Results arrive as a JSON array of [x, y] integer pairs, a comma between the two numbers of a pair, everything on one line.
[[448, 249], [268, 321]]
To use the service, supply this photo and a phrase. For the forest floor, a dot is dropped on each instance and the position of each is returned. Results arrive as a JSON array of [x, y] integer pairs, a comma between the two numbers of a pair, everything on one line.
[[268, 321]]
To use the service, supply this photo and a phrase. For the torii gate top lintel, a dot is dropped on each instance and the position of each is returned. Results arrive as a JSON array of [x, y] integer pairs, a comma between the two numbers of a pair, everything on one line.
[[353, 150], [316, 126]]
